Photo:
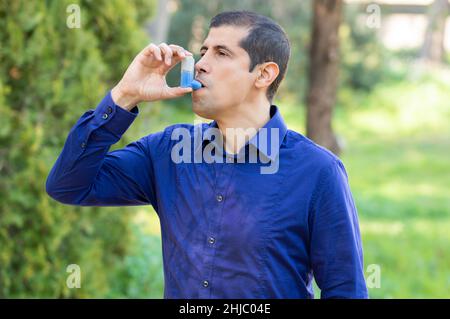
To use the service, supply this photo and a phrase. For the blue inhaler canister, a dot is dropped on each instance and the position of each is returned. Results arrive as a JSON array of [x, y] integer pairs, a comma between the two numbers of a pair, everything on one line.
[[187, 74]]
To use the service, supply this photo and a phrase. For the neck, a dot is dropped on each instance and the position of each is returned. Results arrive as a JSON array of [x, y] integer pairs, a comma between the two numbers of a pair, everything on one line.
[[242, 123]]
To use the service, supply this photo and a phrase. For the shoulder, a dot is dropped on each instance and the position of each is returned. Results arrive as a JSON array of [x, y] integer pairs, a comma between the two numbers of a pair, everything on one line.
[[309, 152], [314, 162]]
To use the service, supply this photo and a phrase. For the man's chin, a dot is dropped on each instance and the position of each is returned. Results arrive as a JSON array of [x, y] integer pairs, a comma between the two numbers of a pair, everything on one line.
[[203, 114], [203, 110]]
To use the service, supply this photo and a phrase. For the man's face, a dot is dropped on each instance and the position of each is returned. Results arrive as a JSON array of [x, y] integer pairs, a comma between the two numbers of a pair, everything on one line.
[[224, 70]]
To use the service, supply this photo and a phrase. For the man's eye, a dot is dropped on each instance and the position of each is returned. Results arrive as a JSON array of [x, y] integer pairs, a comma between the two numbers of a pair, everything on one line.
[[221, 53]]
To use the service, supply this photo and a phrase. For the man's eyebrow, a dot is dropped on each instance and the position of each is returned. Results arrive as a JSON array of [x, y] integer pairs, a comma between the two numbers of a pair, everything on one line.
[[217, 47]]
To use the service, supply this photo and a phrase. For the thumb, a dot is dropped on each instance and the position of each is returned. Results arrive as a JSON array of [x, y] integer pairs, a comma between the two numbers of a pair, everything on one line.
[[178, 91]]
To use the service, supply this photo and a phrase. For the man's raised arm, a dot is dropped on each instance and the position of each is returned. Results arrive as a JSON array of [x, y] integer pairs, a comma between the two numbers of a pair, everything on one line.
[[85, 173]]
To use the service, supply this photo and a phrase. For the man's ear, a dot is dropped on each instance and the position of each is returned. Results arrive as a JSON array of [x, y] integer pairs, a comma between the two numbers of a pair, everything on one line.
[[266, 73]]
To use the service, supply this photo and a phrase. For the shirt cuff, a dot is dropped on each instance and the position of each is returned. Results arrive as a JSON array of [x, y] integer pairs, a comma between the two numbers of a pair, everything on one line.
[[112, 117]]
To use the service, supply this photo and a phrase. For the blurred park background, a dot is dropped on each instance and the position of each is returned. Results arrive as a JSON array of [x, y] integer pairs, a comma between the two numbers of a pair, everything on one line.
[[369, 80]]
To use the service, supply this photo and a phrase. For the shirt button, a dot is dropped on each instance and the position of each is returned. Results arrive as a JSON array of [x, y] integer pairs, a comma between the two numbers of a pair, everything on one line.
[[104, 116], [205, 283], [109, 110], [219, 198], [83, 145], [211, 240]]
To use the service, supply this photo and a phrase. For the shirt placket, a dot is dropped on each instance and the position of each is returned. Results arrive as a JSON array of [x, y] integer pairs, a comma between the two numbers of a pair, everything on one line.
[[217, 202]]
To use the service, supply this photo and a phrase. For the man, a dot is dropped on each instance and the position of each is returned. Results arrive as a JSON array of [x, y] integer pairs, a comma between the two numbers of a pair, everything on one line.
[[229, 229]]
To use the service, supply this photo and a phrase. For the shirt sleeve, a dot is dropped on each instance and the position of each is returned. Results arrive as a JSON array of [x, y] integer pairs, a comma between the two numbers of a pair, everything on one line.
[[335, 246], [86, 174]]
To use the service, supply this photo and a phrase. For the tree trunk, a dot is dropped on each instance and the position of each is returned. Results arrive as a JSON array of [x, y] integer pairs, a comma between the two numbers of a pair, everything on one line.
[[433, 45], [323, 73], [159, 27]]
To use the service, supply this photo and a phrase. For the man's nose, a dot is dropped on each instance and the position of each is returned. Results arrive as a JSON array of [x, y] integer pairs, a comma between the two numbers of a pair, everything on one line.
[[201, 66]]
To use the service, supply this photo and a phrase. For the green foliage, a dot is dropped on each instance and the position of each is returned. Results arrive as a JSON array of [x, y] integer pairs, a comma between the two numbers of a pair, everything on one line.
[[141, 273], [364, 61], [49, 76]]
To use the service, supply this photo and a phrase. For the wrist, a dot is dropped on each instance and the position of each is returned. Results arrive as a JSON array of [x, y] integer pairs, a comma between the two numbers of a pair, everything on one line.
[[122, 99]]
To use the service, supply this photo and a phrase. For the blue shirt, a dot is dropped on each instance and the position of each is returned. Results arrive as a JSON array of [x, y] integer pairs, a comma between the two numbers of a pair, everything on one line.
[[228, 230]]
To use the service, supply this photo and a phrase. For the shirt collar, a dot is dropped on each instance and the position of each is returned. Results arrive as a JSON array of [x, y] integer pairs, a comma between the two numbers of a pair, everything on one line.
[[264, 137]]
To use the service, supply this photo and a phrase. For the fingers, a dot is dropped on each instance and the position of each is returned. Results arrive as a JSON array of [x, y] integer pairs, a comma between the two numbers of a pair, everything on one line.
[[179, 51], [166, 53], [153, 50], [173, 92]]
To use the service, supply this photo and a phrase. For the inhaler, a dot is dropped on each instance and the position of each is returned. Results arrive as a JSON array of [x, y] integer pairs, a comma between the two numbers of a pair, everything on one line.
[[187, 74]]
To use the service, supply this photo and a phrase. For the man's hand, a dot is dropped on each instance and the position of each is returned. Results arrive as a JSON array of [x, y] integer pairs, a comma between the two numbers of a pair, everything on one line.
[[145, 78]]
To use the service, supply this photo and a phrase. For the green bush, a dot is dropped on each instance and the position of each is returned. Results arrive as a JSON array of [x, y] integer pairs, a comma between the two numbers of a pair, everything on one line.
[[141, 273], [50, 75]]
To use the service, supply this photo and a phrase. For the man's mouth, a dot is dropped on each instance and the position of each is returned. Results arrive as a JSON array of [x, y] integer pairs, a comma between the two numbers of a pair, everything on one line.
[[202, 83]]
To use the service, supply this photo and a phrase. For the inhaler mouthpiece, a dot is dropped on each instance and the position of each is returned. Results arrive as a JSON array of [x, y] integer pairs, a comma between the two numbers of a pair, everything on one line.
[[187, 74]]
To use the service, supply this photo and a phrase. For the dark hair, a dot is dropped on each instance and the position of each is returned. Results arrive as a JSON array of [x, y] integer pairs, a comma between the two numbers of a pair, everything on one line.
[[266, 41]]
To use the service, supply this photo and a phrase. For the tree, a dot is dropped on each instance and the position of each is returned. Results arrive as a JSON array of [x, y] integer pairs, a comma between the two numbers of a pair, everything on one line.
[[323, 72], [433, 46], [159, 27], [50, 74]]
